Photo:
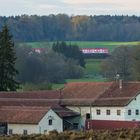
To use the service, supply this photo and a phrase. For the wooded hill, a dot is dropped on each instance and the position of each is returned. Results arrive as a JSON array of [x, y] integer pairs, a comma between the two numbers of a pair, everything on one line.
[[62, 27]]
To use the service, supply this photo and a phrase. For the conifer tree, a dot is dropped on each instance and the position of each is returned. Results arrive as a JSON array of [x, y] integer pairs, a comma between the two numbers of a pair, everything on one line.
[[7, 62]]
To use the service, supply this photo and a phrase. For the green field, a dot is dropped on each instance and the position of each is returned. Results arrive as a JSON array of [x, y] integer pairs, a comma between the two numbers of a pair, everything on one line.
[[93, 66], [86, 44]]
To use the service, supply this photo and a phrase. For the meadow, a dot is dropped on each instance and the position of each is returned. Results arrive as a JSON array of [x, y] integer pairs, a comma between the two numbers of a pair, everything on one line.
[[93, 66], [86, 44]]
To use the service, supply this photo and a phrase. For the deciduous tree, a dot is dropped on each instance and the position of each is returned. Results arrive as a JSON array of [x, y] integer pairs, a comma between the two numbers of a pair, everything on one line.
[[119, 62]]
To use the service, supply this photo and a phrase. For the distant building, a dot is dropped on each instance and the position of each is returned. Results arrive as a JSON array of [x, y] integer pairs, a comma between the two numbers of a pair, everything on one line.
[[95, 52], [39, 50]]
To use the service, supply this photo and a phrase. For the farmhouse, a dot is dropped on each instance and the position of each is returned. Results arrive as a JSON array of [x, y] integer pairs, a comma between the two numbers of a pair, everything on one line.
[[97, 105], [79, 97], [120, 103], [35, 112], [29, 120]]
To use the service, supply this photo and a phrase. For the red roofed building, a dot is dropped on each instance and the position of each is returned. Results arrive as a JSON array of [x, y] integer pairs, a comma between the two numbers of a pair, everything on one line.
[[35, 112], [119, 104], [29, 120], [100, 104], [79, 97], [30, 98]]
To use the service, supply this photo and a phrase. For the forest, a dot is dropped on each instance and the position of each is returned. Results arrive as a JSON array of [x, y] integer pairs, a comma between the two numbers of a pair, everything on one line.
[[62, 27]]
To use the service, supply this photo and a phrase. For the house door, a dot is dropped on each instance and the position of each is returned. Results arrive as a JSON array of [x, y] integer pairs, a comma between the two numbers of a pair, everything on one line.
[[3, 128]]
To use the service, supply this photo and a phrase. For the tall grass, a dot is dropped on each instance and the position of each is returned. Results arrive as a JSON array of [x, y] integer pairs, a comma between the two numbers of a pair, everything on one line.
[[122, 134]]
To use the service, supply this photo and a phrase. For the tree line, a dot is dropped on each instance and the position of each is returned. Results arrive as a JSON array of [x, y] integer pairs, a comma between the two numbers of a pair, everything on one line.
[[51, 66], [124, 61], [64, 27], [22, 64]]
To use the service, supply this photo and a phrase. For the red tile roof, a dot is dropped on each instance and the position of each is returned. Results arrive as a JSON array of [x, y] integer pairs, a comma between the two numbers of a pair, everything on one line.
[[32, 98], [115, 96], [50, 94], [30, 115], [22, 115], [64, 112], [76, 93], [83, 93]]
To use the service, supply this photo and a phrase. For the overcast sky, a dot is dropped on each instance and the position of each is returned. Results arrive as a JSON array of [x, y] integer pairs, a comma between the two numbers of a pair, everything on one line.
[[70, 7]]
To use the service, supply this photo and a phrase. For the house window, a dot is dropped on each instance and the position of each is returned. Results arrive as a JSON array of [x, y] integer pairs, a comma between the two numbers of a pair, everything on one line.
[[88, 116], [50, 122], [25, 132], [98, 111], [10, 131], [118, 112], [107, 112], [137, 112], [129, 112]]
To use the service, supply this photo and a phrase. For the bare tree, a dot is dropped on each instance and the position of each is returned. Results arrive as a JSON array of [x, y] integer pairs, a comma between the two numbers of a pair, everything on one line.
[[119, 62]]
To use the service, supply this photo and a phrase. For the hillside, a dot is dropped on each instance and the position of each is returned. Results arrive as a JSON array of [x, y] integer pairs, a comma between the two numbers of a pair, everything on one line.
[[82, 28]]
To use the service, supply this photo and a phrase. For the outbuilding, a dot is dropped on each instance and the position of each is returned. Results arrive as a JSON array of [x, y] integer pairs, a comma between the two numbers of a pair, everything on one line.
[[36, 120]]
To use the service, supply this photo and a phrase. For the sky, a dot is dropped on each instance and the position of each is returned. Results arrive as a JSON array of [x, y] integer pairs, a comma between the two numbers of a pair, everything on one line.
[[70, 7]]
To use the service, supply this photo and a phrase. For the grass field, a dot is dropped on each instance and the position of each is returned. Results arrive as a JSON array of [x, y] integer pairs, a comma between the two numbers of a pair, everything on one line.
[[93, 66], [86, 44], [93, 69]]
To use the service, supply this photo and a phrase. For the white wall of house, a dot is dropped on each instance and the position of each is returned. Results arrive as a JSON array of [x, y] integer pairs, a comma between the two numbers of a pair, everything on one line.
[[103, 113], [40, 128], [19, 128], [57, 123], [133, 106]]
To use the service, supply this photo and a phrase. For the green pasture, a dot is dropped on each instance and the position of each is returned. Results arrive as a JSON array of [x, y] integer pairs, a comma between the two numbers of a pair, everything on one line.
[[86, 44], [93, 66], [92, 74]]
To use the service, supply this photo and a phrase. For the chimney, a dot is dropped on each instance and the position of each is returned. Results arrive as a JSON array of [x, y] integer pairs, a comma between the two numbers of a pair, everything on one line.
[[120, 83]]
